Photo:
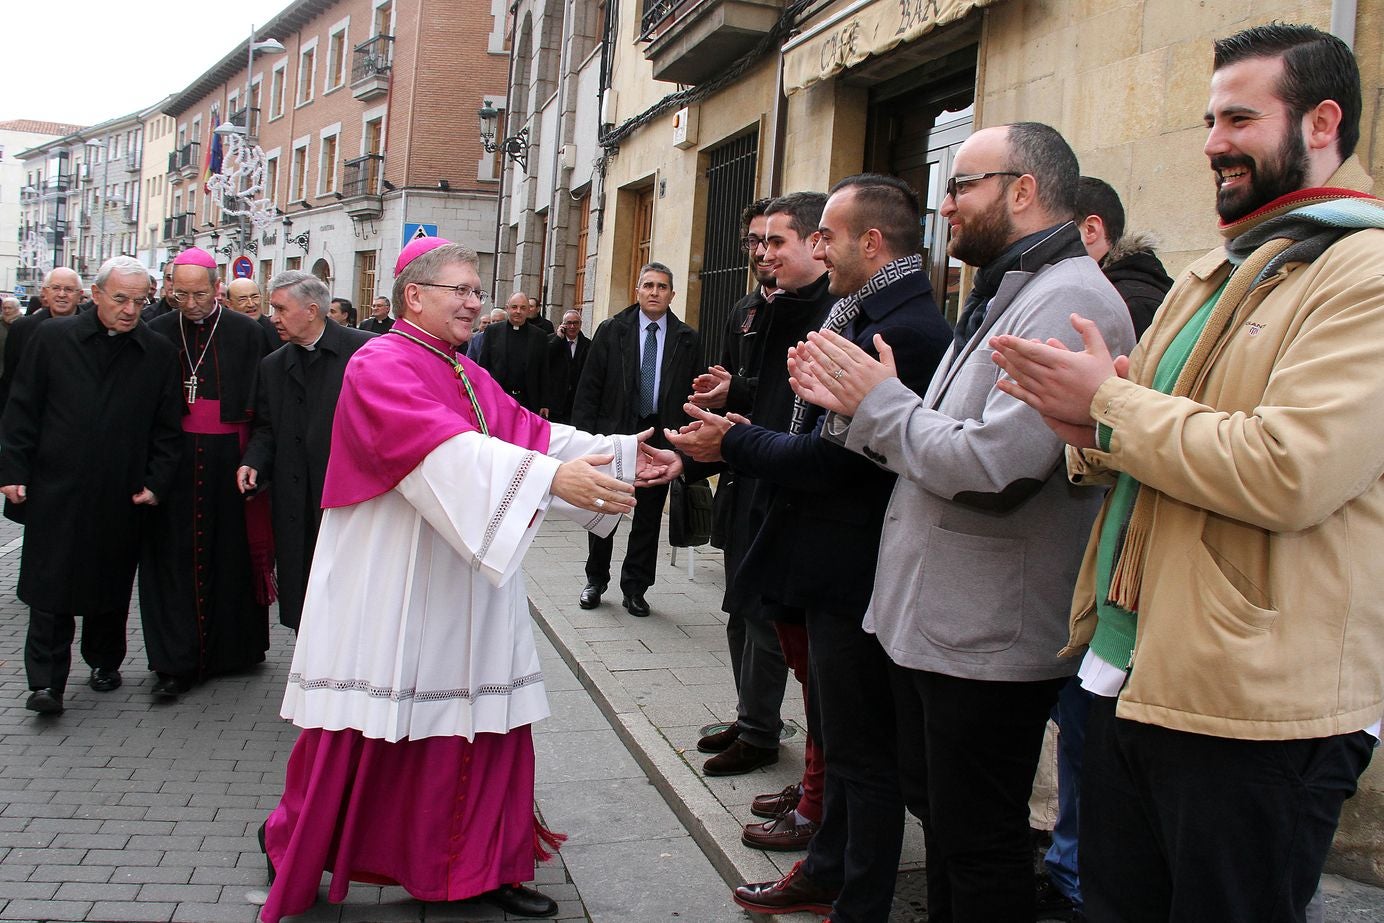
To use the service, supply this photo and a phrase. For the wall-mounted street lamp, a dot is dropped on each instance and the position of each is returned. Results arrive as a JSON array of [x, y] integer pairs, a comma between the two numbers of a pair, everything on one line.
[[515, 147], [298, 240]]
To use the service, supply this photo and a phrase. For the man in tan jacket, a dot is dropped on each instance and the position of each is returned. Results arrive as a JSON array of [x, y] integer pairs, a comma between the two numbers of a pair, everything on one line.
[[1231, 601]]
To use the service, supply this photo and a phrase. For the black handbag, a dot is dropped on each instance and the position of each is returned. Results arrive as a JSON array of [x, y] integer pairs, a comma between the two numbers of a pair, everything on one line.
[[689, 513]]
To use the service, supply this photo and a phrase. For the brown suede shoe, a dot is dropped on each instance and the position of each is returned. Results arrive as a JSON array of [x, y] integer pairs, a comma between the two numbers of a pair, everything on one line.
[[718, 742], [740, 758], [775, 803], [792, 893], [782, 834]]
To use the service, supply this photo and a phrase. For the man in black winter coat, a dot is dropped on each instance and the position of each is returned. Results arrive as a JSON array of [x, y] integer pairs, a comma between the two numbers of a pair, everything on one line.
[[1128, 260], [567, 351], [291, 436], [92, 438], [637, 376]]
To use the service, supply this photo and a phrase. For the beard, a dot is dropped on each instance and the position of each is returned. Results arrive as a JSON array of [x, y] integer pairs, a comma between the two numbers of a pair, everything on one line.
[[983, 238], [1285, 173], [763, 276]]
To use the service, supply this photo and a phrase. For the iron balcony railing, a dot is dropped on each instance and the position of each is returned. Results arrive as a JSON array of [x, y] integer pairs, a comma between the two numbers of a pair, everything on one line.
[[362, 176], [134, 159], [178, 226], [184, 157], [240, 117], [372, 57]]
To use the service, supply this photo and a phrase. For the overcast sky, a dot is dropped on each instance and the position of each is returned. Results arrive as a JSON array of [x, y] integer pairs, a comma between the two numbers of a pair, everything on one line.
[[85, 61]]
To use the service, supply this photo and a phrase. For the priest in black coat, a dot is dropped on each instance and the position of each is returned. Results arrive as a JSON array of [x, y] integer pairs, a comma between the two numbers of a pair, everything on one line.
[[291, 437], [91, 436], [206, 566], [515, 353]]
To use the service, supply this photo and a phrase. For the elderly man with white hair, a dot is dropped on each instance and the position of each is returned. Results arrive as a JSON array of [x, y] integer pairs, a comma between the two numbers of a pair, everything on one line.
[[91, 434], [291, 435], [61, 293]]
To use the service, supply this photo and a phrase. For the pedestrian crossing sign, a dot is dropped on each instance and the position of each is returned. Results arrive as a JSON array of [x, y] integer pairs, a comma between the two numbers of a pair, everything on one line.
[[414, 232]]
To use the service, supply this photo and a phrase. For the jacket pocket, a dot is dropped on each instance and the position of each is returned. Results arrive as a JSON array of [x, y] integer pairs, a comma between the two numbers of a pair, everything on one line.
[[1225, 605], [970, 594]]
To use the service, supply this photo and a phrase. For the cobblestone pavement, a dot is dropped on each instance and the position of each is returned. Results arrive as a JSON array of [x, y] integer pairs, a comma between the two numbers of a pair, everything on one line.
[[124, 808]]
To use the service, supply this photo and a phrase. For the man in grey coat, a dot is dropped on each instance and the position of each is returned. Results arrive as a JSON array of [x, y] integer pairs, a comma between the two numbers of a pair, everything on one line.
[[984, 534]]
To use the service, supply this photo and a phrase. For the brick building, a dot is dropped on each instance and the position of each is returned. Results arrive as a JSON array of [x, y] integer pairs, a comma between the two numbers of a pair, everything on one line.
[[362, 134]]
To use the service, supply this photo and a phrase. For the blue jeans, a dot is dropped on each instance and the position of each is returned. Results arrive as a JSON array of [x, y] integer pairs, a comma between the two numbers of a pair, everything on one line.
[[1073, 705]]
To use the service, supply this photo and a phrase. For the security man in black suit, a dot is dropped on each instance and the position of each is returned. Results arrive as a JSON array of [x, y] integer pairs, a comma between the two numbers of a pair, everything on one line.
[[567, 350], [637, 375]]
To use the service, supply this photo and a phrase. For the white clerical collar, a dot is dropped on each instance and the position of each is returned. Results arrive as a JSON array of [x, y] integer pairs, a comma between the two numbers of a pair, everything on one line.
[[313, 345]]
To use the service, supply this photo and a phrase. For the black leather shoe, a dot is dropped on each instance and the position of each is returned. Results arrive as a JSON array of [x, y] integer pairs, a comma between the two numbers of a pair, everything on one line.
[[521, 901], [718, 742], [170, 687], [590, 597], [45, 702], [103, 680], [636, 605], [740, 758], [793, 893], [268, 862]]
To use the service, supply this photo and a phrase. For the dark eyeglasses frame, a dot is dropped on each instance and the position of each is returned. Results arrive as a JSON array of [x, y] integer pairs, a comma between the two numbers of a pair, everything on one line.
[[967, 178]]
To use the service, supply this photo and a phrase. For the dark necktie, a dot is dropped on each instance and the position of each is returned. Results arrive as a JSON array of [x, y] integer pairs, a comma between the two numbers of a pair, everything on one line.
[[648, 365]]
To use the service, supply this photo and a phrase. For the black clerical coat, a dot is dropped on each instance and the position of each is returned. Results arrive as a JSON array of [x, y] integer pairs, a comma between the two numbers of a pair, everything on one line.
[[21, 331], [92, 420], [291, 437], [516, 359], [371, 325], [564, 371]]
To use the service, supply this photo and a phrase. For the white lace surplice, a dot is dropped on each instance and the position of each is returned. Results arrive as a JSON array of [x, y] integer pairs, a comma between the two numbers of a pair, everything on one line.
[[416, 620]]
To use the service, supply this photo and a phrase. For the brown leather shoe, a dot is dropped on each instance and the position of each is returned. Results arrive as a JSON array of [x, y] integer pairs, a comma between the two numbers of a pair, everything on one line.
[[792, 893], [775, 803], [782, 834], [718, 742], [740, 758]]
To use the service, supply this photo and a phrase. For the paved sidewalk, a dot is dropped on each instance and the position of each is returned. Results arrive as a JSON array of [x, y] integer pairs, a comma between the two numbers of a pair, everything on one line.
[[661, 679], [124, 808]]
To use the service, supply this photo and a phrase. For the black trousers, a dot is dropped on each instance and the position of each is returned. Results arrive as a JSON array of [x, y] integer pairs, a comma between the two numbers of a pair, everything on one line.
[[858, 844], [48, 645], [1188, 828], [760, 677], [968, 750], [641, 556]]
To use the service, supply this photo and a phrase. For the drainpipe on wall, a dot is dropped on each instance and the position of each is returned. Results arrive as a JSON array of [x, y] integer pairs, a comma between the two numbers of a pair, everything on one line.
[[1343, 21], [501, 215]]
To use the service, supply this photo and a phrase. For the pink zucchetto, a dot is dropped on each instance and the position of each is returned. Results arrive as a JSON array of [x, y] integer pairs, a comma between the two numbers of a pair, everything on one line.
[[195, 256], [416, 249]]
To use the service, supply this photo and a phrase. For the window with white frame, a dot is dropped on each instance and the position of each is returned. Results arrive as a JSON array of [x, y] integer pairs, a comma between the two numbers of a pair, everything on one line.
[[271, 175], [307, 72], [327, 162], [337, 50], [277, 83], [298, 172]]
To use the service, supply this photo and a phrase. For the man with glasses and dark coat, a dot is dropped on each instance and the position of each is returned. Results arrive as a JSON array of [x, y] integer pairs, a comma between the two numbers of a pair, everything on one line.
[[91, 439], [206, 566], [566, 355]]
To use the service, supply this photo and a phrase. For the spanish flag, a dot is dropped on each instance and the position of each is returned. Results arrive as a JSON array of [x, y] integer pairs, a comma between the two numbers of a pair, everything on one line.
[[212, 165]]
